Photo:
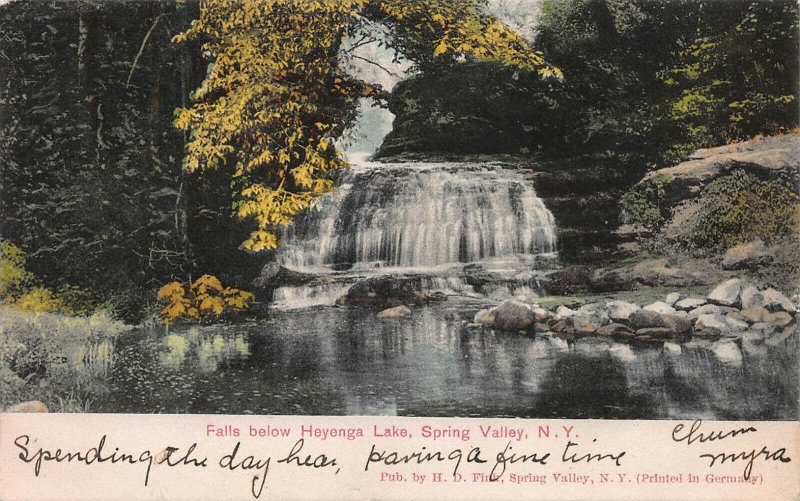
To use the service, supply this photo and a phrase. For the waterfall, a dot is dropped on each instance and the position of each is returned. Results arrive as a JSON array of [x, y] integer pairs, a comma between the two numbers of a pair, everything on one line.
[[421, 215], [421, 218]]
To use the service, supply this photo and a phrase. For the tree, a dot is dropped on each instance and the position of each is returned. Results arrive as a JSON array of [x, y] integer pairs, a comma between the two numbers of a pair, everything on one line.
[[277, 96]]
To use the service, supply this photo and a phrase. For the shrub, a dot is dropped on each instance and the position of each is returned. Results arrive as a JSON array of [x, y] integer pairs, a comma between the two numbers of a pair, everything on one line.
[[20, 289], [645, 204], [740, 207], [204, 298]]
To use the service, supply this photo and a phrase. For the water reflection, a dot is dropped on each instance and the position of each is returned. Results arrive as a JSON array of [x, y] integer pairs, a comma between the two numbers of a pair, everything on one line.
[[340, 361]]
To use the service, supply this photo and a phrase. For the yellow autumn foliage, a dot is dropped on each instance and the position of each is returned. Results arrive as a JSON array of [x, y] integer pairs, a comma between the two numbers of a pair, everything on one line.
[[204, 298], [20, 289], [277, 94]]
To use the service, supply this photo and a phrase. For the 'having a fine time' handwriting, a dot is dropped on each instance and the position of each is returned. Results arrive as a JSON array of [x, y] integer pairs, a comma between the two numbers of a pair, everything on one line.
[[495, 462]]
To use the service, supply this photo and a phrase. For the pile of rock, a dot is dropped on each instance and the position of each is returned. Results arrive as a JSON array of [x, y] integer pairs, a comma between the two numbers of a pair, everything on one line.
[[733, 310]]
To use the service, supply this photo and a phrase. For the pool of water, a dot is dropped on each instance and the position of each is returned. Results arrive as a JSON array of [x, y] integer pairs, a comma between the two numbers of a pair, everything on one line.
[[331, 361]]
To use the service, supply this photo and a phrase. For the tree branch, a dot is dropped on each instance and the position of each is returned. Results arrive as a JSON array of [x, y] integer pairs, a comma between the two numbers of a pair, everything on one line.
[[141, 49]]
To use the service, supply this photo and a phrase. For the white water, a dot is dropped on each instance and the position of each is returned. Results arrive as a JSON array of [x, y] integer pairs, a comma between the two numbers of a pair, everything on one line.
[[419, 218], [421, 215]]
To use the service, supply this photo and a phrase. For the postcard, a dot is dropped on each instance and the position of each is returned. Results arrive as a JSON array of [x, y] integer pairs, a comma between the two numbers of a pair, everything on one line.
[[399, 249]]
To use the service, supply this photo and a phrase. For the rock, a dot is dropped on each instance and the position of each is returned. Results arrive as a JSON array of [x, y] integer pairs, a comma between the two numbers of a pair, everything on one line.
[[750, 297], [754, 315], [775, 301], [690, 303], [29, 407], [615, 330], [619, 311], [778, 319], [736, 325], [563, 312], [710, 325], [747, 255], [583, 325], [512, 316], [384, 291], [709, 309], [762, 327], [655, 332], [396, 312], [642, 319], [659, 307], [485, 317], [594, 313], [540, 314], [726, 293], [727, 352], [672, 298], [540, 327], [680, 326], [562, 327], [736, 315], [431, 296], [672, 349]]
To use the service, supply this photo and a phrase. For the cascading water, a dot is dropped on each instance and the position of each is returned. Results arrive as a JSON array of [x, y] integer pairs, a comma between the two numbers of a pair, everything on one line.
[[417, 218]]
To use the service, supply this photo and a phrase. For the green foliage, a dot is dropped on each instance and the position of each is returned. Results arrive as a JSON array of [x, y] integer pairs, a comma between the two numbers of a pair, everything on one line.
[[737, 79], [739, 207], [57, 359], [645, 204]]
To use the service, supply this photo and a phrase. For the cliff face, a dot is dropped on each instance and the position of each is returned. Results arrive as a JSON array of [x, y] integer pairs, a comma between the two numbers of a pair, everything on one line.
[[471, 108]]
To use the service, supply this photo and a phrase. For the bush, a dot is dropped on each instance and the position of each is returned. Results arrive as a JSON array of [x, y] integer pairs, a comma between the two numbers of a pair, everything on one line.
[[206, 297], [645, 204], [740, 207], [57, 359], [20, 289]]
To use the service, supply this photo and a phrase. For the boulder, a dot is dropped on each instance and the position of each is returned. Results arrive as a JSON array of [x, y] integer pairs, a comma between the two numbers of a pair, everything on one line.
[[615, 330], [710, 325], [563, 312], [396, 312], [778, 319], [750, 297], [754, 315], [513, 316], [726, 293], [727, 352], [709, 309], [680, 326], [384, 291], [659, 307], [583, 325], [485, 317], [562, 327], [672, 349], [672, 298], [29, 406], [619, 311], [540, 314], [734, 324], [690, 303], [642, 319], [746, 255], [775, 301]]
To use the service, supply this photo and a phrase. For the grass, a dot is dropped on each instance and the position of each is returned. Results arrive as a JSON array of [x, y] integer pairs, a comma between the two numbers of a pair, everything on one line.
[[57, 359]]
